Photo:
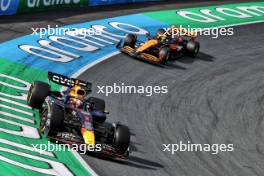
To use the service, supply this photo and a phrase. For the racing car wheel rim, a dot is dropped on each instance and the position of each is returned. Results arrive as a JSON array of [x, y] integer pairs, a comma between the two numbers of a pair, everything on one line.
[[196, 50], [46, 129], [164, 58], [30, 93], [43, 120]]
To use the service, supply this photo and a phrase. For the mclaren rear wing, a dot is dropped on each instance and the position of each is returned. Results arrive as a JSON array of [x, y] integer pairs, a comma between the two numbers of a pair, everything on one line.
[[68, 82]]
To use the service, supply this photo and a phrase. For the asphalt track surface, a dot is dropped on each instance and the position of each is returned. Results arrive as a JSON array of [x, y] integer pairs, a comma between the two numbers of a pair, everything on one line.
[[215, 98]]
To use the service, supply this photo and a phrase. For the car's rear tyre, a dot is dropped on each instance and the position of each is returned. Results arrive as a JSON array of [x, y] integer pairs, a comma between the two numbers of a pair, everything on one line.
[[54, 120], [193, 48], [98, 105], [122, 138], [38, 91], [164, 55], [130, 40]]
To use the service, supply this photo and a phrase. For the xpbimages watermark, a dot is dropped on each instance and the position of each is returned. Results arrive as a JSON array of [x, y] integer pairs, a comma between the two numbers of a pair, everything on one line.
[[214, 32], [52, 147], [190, 147], [131, 89], [62, 31]]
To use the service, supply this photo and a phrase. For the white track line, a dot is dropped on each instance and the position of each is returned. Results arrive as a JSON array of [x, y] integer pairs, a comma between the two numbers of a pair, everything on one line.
[[84, 164], [87, 67], [82, 70]]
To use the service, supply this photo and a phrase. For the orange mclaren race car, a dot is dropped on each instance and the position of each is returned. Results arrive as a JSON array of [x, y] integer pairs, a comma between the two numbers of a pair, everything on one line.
[[165, 46]]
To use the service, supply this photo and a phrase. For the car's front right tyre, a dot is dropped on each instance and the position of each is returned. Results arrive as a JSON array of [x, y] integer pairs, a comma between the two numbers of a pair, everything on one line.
[[122, 138], [193, 48], [164, 55]]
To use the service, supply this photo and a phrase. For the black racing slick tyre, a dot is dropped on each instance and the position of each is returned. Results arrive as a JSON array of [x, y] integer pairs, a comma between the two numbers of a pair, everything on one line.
[[38, 91], [122, 138], [54, 119], [98, 105], [193, 48], [130, 40], [164, 55]]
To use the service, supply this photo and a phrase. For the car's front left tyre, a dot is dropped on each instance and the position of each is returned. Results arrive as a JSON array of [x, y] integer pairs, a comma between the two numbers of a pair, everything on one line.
[[52, 120]]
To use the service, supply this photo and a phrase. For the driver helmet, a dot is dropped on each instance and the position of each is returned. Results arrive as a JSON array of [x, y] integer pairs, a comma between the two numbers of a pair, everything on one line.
[[173, 26], [77, 94], [161, 34]]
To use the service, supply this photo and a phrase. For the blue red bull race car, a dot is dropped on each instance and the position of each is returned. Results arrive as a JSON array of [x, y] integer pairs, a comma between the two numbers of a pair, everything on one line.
[[72, 117]]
